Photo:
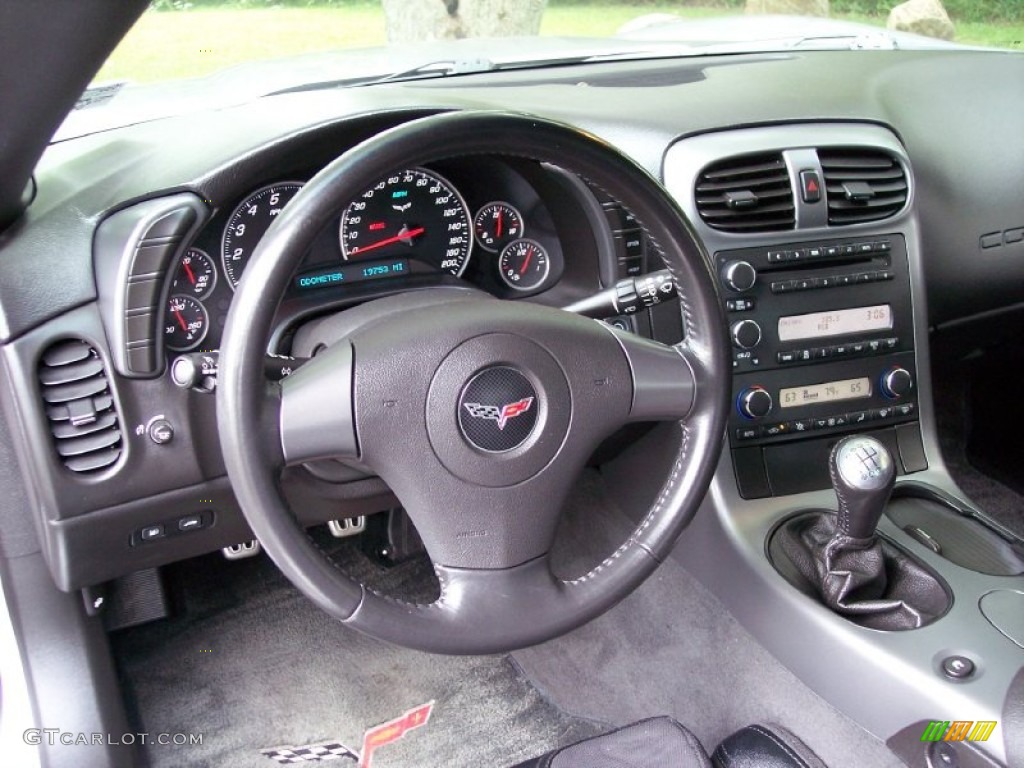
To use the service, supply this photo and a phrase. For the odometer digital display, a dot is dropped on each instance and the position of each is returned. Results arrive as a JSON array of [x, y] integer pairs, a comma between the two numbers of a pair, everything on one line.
[[351, 273], [412, 214]]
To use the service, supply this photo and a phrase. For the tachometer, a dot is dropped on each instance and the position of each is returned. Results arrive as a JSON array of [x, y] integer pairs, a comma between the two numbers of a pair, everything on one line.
[[414, 214], [249, 222]]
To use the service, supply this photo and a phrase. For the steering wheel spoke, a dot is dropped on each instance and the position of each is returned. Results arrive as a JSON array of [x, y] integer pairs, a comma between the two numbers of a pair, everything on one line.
[[663, 379], [316, 418]]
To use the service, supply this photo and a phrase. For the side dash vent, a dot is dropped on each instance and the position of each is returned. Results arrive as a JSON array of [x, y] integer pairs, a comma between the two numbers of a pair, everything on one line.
[[79, 406], [748, 193], [862, 185]]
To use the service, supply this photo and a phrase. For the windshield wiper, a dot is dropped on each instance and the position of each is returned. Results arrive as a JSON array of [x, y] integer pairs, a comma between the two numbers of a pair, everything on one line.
[[431, 69]]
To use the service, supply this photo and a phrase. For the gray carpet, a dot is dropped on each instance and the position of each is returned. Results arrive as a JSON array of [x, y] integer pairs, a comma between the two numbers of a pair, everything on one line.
[[251, 664], [672, 648]]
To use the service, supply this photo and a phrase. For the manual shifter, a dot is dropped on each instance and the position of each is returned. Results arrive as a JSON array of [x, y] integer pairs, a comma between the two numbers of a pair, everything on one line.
[[863, 476], [840, 559]]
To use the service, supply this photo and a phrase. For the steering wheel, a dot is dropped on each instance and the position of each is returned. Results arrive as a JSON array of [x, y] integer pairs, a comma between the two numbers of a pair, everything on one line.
[[479, 414]]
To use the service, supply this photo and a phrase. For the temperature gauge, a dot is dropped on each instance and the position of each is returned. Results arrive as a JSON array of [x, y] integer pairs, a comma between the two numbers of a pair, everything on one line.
[[524, 264], [185, 324], [496, 225], [195, 275]]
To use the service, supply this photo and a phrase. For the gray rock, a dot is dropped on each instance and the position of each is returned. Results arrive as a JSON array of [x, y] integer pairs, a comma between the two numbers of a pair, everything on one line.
[[413, 20], [788, 7], [922, 17]]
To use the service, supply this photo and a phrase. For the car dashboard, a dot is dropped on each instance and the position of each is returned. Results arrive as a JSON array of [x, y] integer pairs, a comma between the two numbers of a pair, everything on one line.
[[892, 220]]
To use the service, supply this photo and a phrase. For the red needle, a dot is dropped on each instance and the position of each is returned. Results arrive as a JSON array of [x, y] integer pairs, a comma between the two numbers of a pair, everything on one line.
[[181, 320], [500, 216], [403, 235], [526, 262], [188, 271]]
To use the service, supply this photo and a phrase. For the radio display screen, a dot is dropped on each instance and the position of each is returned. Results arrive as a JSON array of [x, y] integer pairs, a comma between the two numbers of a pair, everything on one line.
[[829, 392], [837, 322]]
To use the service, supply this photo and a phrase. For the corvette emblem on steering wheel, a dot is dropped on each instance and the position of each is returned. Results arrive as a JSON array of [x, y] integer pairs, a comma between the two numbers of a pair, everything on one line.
[[500, 415], [497, 409]]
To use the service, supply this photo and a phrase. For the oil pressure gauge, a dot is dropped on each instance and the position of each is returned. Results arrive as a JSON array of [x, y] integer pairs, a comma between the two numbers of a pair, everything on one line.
[[524, 264], [186, 323], [496, 225]]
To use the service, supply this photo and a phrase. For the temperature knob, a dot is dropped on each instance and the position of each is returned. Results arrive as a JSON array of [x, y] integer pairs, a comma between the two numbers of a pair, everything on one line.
[[746, 334], [754, 403], [896, 383], [739, 276]]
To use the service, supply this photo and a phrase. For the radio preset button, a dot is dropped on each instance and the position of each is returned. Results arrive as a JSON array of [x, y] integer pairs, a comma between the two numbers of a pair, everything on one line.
[[746, 334], [739, 276]]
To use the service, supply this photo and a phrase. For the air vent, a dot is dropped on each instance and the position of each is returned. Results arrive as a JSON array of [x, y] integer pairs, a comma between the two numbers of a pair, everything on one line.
[[750, 193], [862, 185], [79, 406]]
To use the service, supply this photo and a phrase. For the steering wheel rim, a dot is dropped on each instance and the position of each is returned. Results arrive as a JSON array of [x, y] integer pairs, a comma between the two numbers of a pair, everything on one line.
[[493, 599]]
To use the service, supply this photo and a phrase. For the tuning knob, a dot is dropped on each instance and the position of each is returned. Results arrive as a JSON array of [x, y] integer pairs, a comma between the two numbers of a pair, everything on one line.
[[746, 334], [754, 403], [739, 276], [896, 382]]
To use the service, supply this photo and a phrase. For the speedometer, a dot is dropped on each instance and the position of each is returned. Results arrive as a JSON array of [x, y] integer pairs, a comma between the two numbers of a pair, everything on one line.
[[249, 222], [414, 214]]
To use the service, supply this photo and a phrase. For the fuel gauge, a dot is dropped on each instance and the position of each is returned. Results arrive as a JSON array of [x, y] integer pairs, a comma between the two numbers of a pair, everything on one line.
[[524, 264], [186, 323], [196, 275], [496, 225]]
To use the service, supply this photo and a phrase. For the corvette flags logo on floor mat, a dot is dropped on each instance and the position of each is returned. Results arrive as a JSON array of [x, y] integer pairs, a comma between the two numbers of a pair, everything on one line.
[[373, 739], [312, 753]]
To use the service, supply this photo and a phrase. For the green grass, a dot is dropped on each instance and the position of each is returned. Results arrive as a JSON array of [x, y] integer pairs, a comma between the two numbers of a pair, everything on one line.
[[175, 44]]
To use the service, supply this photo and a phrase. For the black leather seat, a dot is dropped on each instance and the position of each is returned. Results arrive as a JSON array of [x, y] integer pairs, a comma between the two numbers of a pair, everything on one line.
[[661, 742]]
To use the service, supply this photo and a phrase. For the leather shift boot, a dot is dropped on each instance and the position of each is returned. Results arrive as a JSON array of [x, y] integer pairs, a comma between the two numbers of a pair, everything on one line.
[[868, 580]]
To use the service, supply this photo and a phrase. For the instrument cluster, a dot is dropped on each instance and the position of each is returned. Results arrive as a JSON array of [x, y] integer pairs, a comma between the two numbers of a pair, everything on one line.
[[487, 222]]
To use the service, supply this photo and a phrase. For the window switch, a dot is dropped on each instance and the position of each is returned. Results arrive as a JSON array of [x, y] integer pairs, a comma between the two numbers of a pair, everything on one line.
[[190, 523]]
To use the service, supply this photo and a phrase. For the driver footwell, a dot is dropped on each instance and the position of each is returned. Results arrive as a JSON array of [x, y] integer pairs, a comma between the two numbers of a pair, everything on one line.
[[251, 664]]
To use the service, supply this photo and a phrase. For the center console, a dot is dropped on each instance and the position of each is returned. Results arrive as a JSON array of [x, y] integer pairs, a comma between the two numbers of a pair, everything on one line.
[[823, 344], [812, 233]]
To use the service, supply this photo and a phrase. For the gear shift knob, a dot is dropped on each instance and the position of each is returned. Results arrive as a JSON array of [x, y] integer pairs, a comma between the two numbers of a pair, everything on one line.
[[863, 474]]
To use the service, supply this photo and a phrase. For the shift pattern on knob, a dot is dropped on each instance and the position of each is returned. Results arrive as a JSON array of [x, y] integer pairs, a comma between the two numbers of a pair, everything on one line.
[[863, 474]]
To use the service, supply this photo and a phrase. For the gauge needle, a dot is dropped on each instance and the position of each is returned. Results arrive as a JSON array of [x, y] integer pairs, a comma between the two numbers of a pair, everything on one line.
[[526, 262], [500, 217], [181, 320], [404, 235], [188, 271]]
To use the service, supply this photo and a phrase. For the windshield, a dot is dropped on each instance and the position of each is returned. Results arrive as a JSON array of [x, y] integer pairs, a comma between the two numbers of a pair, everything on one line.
[[178, 39]]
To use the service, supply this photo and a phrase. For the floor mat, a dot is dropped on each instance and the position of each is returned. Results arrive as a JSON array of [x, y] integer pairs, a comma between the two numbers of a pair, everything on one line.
[[251, 664], [672, 648]]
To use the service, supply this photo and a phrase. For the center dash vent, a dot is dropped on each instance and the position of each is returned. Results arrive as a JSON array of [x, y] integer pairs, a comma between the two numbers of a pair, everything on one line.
[[79, 406], [862, 184], [749, 193]]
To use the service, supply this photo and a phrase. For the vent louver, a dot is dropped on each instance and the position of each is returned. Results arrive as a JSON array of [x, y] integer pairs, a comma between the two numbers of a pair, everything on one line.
[[862, 185], [749, 193], [79, 406]]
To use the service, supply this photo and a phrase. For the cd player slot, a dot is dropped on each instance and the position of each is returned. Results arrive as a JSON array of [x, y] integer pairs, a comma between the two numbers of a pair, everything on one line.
[[875, 262]]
